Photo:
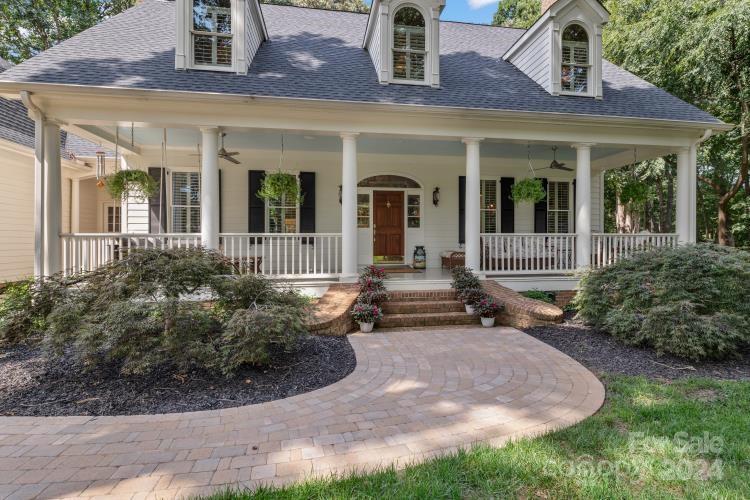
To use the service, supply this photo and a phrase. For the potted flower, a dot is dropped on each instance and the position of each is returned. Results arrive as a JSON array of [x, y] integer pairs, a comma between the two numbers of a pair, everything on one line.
[[372, 297], [470, 297], [373, 272], [463, 279], [487, 309], [366, 315]]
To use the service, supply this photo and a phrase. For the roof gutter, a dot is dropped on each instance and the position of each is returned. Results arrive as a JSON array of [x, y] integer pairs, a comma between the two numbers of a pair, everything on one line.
[[324, 104], [34, 112]]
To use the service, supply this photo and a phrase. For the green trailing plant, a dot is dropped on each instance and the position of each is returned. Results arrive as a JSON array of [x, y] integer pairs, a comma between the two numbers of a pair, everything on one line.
[[690, 301], [528, 190], [547, 297], [278, 185], [125, 183]]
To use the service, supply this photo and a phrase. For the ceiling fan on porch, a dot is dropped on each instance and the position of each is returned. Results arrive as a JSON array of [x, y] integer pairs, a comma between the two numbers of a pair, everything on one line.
[[556, 165], [227, 155]]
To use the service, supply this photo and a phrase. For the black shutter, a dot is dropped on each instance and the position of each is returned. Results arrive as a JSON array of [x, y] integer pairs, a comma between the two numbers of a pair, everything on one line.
[[157, 204], [221, 214], [540, 212], [307, 208], [507, 206], [462, 210], [256, 214]]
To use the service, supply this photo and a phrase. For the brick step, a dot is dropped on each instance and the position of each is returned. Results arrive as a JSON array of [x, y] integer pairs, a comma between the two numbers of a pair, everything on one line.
[[421, 295], [427, 319], [422, 306]]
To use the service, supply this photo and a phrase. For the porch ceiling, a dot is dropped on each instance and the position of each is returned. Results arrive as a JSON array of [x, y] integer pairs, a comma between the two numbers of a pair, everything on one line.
[[188, 139]]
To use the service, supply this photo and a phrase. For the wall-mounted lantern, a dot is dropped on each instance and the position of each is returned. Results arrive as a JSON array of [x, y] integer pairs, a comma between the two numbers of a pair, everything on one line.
[[340, 195], [436, 196]]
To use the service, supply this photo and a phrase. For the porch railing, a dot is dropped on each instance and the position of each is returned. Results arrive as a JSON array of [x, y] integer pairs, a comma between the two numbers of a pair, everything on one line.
[[278, 255], [527, 253], [284, 255], [607, 249], [88, 251]]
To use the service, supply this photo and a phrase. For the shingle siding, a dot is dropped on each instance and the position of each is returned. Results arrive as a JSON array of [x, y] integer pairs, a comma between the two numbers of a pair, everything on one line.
[[535, 59]]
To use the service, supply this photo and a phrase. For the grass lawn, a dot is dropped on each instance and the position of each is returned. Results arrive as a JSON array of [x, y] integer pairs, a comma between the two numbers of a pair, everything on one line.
[[651, 439]]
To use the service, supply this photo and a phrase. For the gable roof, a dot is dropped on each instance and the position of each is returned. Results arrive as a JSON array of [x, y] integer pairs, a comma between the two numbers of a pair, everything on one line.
[[317, 54]]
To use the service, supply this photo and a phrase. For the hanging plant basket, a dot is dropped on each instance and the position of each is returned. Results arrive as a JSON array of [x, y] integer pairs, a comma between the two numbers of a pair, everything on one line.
[[529, 190], [280, 185], [131, 182]]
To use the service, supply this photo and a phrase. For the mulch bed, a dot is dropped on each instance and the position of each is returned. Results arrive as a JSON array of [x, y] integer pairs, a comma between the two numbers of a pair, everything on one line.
[[603, 354], [32, 386]]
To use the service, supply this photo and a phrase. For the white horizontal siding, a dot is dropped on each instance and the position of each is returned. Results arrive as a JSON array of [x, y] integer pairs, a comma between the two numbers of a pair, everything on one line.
[[535, 59], [374, 46], [253, 33]]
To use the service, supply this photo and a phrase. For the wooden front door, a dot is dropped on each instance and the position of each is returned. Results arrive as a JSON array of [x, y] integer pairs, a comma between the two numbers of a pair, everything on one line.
[[388, 226]]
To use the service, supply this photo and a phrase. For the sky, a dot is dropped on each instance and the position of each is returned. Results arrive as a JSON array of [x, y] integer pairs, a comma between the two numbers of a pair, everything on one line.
[[472, 11]]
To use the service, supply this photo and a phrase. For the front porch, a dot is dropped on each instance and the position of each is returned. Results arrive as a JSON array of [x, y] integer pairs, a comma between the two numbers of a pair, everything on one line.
[[445, 194]]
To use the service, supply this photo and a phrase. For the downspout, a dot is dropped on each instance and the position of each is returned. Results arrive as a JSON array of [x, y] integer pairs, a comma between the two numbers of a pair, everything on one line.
[[39, 194]]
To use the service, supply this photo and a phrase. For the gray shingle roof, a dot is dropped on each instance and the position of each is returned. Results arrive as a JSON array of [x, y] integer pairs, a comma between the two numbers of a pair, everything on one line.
[[317, 54]]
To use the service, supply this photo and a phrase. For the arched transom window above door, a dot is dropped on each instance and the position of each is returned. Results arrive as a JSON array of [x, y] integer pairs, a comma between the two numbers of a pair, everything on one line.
[[389, 181]]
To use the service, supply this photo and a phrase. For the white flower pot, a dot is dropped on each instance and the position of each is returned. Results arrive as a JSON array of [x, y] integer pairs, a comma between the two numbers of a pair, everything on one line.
[[469, 309], [488, 322], [366, 327]]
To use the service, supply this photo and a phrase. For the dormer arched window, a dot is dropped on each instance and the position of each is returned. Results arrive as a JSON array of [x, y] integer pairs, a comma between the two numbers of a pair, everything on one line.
[[212, 33], [575, 60], [409, 44]]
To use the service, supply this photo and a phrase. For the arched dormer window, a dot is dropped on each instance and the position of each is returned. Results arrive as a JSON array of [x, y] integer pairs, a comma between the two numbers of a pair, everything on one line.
[[576, 63], [409, 47], [212, 33]]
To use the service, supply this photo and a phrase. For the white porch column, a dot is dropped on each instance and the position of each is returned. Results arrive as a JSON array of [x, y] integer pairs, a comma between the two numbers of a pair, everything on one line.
[[210, 189], [583, 205], [38, 196], [683, 196], [473, 203], [75, 206], [693, 190], [53, 199], [349, 206]]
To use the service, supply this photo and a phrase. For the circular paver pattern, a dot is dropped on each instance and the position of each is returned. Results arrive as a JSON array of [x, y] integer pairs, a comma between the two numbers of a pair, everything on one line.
[[413, 395]]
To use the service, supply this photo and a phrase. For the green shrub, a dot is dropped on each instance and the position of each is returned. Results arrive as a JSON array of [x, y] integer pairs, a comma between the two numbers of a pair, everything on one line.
[[464, 278], [135, 313], [547, 297], [691, 301], [254, 335]]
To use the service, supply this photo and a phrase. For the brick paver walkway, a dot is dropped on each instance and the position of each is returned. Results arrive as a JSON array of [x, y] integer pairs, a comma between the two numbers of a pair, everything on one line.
[[414, 394]]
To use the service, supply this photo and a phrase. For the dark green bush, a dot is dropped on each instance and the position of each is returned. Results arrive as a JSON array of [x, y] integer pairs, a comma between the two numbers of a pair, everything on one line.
[[547, 297], [691, 301], [138, 313], [253, 335]]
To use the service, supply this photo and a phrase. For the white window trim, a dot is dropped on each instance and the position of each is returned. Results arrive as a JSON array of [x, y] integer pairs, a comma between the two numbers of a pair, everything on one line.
[[184, 48], [267, 211], [571, 208], [170, 204], [589, 80], [431, 74]]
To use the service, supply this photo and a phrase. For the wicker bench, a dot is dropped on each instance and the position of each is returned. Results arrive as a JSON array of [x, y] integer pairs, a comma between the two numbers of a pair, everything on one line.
[[452, 259]]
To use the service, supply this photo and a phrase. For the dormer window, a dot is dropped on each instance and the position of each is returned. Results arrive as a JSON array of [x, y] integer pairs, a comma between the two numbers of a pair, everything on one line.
[[212, 33], [575, 60], [409, 46]]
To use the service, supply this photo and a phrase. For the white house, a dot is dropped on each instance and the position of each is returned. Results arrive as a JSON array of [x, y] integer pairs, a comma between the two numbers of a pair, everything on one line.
[[84, 207], [402, 129]]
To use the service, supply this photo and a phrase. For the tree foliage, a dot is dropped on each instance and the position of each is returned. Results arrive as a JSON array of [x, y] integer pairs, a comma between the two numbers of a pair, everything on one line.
[[517, 13], [28, 27]]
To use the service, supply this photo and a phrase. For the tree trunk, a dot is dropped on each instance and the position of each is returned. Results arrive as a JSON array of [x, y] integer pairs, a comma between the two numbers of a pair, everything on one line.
[[724, 236]]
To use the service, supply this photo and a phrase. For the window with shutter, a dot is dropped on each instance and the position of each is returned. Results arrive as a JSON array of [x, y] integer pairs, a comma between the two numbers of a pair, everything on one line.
[[575, 60], [282, 216], [558, 207], [488, 195], [409, 44], [212, 33], [186, 199]]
